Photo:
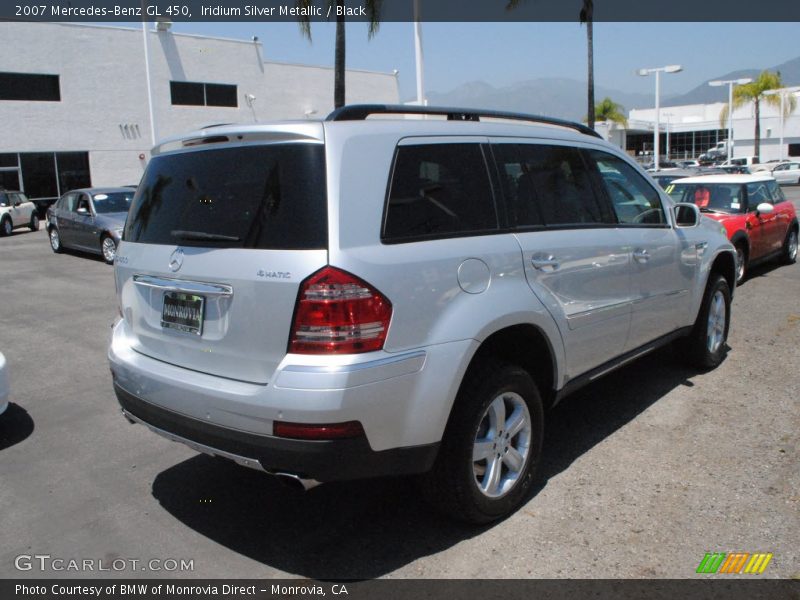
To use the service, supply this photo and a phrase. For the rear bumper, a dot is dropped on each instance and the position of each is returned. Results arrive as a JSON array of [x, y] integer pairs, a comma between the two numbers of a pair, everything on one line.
[[320, 460]]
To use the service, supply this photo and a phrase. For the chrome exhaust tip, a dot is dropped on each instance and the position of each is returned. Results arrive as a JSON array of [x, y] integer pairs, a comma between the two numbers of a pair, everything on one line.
[[296, 482]]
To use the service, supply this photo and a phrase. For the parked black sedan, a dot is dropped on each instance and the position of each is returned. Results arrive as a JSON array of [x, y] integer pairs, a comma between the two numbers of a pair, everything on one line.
[[89, 219]]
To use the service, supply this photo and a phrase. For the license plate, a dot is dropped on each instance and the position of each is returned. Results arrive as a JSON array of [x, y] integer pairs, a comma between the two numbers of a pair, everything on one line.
[[183, 312]]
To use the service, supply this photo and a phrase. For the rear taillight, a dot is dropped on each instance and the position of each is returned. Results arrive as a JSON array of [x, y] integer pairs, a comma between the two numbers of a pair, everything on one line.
[[338, 313]]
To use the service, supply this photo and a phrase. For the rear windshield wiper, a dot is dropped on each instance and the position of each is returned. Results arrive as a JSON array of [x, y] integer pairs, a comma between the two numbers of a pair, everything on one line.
[[203, 236]]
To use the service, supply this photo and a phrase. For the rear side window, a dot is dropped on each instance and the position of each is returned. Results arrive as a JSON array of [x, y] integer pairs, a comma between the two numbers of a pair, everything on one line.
[[547, 185], [439, 190], [266, 197], [635, 201]]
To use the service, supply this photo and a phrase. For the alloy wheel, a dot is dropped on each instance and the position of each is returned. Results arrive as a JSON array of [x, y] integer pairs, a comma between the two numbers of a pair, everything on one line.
[[501, 447], [715, 330], [109, 249], [55, 241]]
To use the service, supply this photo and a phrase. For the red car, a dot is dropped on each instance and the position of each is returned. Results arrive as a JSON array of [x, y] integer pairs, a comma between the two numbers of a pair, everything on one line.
[[760, 221]]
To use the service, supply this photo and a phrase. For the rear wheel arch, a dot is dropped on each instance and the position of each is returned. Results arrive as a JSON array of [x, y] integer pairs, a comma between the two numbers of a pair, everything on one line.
[[526, 346]]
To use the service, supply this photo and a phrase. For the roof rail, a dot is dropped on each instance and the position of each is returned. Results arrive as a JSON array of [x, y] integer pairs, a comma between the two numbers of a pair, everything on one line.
[[359, 112]]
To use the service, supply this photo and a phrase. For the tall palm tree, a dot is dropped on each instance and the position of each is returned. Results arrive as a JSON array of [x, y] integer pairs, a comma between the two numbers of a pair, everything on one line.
[[608, 110], [373, 9], [754, 92], [587, 17]]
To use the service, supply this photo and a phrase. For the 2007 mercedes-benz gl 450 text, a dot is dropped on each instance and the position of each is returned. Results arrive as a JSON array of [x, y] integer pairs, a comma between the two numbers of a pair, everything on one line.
[[359, 297]]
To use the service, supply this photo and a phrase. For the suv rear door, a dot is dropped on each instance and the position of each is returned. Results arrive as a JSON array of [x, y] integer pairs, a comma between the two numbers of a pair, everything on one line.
[[660, 281], [575, 259], [217, 241]]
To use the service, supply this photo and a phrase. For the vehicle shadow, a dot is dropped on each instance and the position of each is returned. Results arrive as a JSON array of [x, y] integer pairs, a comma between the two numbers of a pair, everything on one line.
[[366, 529], [763, 269], [16, 425]]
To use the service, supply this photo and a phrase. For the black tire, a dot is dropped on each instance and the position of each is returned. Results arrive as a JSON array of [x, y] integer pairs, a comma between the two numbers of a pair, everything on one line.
[[6, 227], [108, 249], [699, 349], [452, 485], [34, 224], [741, 267], [55, 240], [790, 247]]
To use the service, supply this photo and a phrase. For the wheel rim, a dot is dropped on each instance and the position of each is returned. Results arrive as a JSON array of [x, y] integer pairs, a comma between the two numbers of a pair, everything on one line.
[[501, 447], [7, 227], [109, 249], [739, 264], [35, 221], [792, 245], [55, 242], [715, 333]]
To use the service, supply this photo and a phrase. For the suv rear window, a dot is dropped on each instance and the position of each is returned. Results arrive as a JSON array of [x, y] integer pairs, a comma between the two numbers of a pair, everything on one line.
[[439, 190], [266, 197]]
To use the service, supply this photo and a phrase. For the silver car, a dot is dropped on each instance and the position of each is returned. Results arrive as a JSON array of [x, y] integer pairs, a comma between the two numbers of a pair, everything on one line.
[[89, 219], [361, 297], [787, 173]]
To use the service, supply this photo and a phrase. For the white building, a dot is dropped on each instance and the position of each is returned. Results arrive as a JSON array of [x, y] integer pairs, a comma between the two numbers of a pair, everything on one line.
[[690, 130], [74, 107]]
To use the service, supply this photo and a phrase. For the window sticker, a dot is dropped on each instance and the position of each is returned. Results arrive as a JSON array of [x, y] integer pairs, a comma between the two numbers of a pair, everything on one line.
[[735, 205], [100, 196]]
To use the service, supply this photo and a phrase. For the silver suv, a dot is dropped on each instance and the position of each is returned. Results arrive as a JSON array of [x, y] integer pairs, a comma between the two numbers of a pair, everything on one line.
[[360, 297]]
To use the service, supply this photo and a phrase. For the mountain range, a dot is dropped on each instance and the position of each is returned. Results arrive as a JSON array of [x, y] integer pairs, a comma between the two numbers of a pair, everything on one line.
[[566, 98]]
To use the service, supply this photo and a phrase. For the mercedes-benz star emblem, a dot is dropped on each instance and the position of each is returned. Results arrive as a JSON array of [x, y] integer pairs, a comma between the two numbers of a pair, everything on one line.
[[176, 260]]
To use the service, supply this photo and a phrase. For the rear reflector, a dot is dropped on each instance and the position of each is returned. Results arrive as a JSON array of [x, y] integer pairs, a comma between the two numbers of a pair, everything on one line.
[[338, 313], [332, 431]]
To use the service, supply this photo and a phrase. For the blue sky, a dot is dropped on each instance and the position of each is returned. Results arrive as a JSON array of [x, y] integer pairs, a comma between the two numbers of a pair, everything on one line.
[[505, 53]]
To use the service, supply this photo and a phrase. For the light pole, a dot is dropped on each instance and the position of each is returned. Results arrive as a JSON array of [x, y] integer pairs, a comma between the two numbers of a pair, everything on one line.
[[668, 115], [782, 93], [658, 71], [418, 56], [730, 83]]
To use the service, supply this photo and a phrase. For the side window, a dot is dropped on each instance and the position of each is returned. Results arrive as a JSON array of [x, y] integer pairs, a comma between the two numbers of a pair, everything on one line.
[[70, 202], [757, 193], [775, 191], [83, 202], [548, 185], [438, 190], [635, 201], [4, 199], [13, 198]]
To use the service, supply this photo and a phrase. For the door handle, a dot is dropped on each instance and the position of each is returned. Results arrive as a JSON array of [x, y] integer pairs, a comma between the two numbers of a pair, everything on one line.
[[545, 262], [641, 255]]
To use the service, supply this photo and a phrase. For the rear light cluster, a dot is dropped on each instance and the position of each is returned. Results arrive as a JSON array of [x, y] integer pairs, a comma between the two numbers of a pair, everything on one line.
[[338, 313]]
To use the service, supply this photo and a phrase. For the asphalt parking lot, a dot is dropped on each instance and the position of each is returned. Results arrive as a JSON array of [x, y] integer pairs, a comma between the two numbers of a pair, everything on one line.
[[643, 473]]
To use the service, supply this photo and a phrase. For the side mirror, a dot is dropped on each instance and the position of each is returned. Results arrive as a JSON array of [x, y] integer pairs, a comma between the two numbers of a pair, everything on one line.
[[687, 215], [82, 210], [18, 203], [765, 208]]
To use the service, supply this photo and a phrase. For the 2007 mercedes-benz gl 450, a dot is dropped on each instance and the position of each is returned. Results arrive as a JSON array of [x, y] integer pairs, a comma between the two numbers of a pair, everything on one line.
[[359, 297]]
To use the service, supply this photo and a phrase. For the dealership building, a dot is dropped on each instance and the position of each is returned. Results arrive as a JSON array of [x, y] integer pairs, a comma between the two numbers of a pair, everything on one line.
[[75, 109], [690, 130]]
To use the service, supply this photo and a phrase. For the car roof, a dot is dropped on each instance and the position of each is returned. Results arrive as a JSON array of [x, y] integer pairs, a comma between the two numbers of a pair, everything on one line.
[[403, 121], [731, 178]]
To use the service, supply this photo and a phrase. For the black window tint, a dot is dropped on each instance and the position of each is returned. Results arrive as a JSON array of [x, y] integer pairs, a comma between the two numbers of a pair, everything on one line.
[[635, 201], [28, 86], [555, 179], [439, 190], [269, 197], [517, 187], [220, 95], [187, 94], [112, 202]]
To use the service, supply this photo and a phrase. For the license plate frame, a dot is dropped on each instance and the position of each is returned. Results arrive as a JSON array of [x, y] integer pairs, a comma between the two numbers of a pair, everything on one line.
[[187, 314]]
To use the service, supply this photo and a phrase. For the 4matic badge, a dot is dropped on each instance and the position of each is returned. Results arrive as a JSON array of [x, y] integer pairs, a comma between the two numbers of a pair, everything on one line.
[[274, 274]]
